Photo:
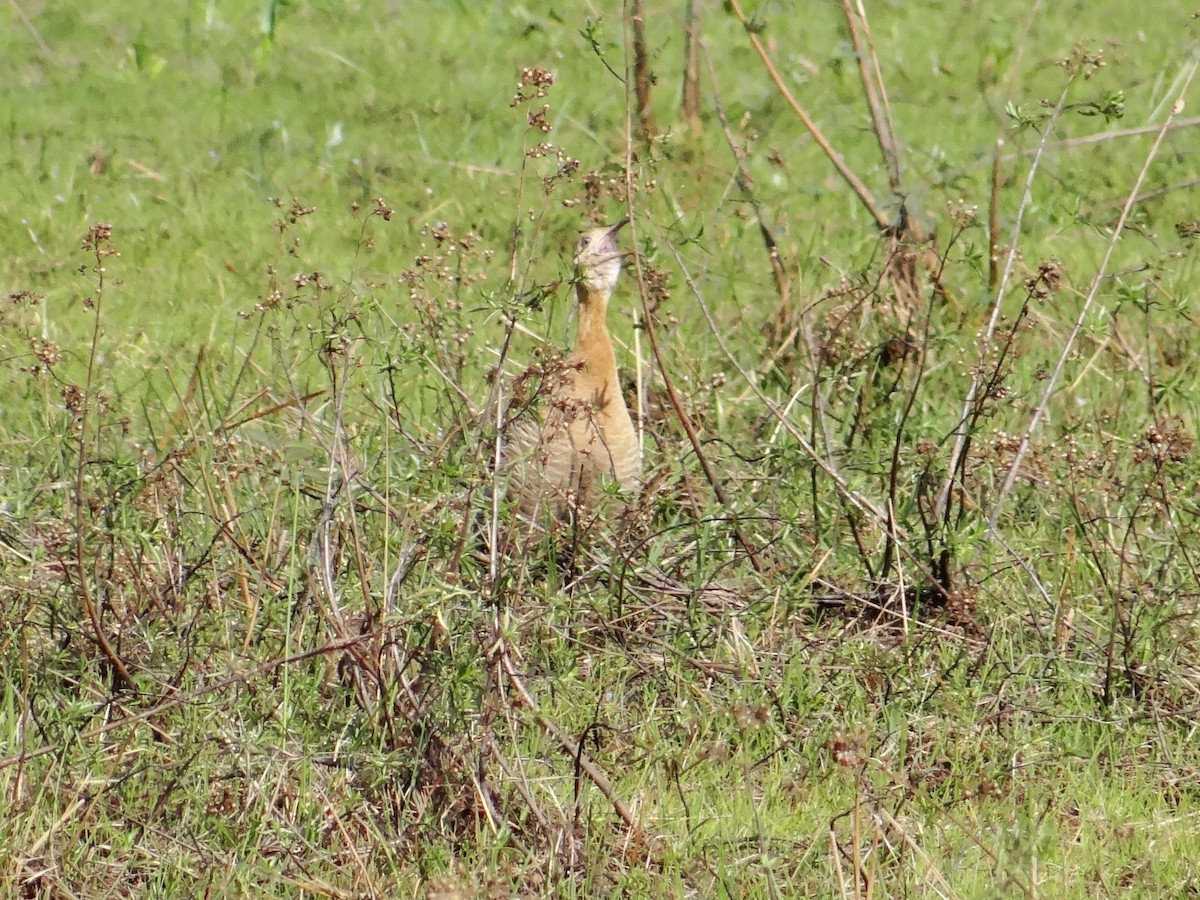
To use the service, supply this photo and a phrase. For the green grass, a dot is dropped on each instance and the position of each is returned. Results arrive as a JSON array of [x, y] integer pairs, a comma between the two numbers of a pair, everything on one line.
[[266, 480]]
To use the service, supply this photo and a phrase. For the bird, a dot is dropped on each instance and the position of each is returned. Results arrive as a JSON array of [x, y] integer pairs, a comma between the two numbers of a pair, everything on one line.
[[585, 433]]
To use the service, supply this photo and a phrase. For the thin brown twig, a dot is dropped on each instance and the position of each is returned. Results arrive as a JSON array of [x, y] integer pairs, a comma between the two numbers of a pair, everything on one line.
[[885, 103], [873, 91], [96, 242], [856, 184], [962, 432]]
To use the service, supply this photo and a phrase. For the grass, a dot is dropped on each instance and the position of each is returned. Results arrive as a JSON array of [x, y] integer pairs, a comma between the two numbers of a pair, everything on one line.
[[250, 645]]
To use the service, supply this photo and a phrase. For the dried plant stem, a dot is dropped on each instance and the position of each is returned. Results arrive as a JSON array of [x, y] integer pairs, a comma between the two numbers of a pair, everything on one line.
[[963, 429], [782, 282], [642, 76], [1173, 124], [342, 474], [496, 407], [1101, 272], [852, 496], [33, 32], [856, 184], [994, 220], [894, 470], [691, 64], [873, 89], [685, 421], [120, 670]]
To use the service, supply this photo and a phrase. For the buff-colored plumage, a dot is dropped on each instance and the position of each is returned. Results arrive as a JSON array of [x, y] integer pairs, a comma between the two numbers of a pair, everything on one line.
[[584, 432]]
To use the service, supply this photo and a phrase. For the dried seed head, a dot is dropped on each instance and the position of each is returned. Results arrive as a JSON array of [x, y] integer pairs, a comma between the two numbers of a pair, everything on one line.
[[962, 214], [47, 353], [1047, 281], [98, 240], [534, 85], [25, 298], [540, 119], [849, 749]]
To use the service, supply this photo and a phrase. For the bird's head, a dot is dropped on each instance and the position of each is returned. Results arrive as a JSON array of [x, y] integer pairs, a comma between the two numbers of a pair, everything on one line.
[[598, 259]]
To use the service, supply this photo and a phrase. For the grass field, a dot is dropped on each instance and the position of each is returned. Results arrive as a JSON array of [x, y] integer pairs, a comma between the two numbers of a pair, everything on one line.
[[908, 607]]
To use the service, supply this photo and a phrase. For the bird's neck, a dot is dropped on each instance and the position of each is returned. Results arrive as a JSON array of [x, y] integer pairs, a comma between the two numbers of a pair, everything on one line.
[[593, 346]]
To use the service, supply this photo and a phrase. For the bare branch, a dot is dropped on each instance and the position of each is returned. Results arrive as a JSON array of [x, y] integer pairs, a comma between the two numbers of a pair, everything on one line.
[[873, 90], [856, 184]]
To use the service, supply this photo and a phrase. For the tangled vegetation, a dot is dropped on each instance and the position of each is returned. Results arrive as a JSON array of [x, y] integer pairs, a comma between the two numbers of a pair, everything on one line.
[[907, 605]]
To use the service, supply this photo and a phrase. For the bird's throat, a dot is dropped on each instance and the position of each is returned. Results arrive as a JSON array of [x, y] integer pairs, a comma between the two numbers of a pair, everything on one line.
[[593, 346]]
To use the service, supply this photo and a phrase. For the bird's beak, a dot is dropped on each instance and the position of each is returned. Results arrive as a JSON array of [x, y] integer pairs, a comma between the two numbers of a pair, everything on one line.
[[612, 233]]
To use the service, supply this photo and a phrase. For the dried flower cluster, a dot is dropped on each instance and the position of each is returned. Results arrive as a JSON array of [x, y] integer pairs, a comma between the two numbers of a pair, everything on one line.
[[25, 298], [849, 749], [658, 285], [295, 211], [1046, 282], [540, 119], [98, 240], [1083, 61], [567, 164], [46, 352], [1188, 230], [535, 84], [1165, 444], [962, 214]]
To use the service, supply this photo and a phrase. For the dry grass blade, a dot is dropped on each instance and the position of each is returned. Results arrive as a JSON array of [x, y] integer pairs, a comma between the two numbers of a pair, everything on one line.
[[191, 697], [931, 868]]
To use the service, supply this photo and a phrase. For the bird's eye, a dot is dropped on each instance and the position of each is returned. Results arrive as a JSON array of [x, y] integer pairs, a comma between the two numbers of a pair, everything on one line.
[[584, 241]]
